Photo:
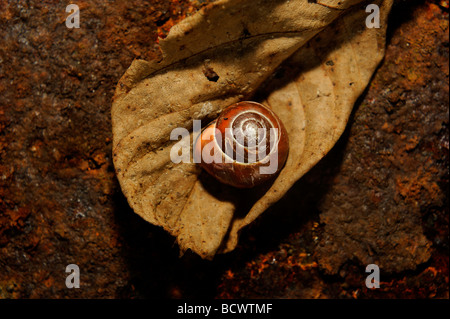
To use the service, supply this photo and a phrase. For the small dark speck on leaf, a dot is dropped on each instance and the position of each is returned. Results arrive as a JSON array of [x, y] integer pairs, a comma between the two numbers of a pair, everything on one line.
[[210, 74], [330, 63], [246, 33]]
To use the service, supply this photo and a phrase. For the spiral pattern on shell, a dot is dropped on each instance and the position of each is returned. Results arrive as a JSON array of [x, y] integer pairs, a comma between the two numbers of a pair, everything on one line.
[[245, 146]]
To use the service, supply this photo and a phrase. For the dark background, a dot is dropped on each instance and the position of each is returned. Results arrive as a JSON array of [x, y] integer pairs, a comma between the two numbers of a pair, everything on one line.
[[379, 196]]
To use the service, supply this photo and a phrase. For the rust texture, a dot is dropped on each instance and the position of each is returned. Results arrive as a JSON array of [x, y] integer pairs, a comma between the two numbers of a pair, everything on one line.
[[380, 196]]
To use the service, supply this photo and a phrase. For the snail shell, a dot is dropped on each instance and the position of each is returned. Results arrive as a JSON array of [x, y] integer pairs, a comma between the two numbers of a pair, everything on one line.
[[244, 147]]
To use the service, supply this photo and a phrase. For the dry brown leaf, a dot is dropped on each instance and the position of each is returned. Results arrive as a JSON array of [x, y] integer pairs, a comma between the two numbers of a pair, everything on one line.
[[330, 56]]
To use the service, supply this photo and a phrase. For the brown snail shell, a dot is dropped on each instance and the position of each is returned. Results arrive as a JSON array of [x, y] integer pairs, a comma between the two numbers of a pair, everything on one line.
[[244, 147]]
